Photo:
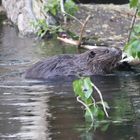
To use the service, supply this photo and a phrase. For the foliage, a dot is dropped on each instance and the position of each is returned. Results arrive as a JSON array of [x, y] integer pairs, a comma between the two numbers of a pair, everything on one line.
[[83, 89], [53, 7], [71, 7], [132, 48], [134, 3], [43, 28]]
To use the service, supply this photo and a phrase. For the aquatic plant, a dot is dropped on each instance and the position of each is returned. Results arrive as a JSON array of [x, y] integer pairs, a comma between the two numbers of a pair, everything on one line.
[[94, 110]]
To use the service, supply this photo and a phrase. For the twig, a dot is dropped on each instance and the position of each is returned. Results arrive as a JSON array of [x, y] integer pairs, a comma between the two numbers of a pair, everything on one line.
[[132, 24], [65, 13], [63, 10], [85, 107], [93, 101], [82, 30], [76, 42], [82, 24], [124, 13], [70, 41], [102, 101], [88, 111], [74, 18]]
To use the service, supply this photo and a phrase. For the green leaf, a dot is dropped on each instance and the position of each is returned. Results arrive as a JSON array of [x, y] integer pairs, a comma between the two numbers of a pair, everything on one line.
[[97, 113], [77, 86], [83, 88], [88, 116], [126, 47], [53, 6], [100, 114], [87, 87], [133, 52], [133, 3], [132, 48], [88, 101], [136, 31], [138, 13], [71, 7], [138, 54], [135, 48]]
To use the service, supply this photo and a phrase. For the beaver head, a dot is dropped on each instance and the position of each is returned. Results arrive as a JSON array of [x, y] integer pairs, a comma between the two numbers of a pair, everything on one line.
[[103, 60]]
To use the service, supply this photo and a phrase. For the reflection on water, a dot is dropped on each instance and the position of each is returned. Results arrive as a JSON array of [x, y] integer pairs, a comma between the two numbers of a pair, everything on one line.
[[23, 114], [66, 111], [42, 110]]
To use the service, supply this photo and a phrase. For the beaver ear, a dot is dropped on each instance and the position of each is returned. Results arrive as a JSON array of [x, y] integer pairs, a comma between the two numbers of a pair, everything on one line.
[[92, 54]]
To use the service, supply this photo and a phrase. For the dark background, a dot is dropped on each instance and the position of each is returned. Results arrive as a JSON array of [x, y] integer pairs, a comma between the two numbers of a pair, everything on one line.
[[103, 1]]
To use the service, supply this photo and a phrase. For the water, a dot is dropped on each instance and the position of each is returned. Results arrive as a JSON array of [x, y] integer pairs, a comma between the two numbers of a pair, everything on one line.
[[47, 110]]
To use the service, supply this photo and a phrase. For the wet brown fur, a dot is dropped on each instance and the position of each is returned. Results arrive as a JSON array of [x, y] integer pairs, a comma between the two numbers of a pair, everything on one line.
[[93, 62]]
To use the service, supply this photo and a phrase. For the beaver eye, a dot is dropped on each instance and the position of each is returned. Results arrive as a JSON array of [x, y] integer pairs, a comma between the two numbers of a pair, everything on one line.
[[107, 51], [92, 54]]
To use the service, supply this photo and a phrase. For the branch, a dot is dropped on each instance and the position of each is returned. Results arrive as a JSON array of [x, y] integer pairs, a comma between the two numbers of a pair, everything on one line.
[[94, 103], [102, 101], [65, 13], [82, 30], [76, 42], [69, 41], [132, 24], [63, 10]]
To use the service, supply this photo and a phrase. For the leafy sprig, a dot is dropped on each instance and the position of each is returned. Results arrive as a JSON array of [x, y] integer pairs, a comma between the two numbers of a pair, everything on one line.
[[94, 111]]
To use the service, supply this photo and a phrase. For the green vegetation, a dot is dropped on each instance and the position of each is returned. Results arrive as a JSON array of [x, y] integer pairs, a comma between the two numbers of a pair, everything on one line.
[[132, 48], [57, 9], [134, 3], [54, 7], [95, 111], [44, 28]]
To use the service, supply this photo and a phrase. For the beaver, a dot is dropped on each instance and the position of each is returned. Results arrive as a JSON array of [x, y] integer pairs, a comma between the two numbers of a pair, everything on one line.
[[98, 61]]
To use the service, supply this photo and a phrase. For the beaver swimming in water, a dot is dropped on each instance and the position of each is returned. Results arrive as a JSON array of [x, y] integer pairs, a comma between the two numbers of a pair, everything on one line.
[[98, 61]]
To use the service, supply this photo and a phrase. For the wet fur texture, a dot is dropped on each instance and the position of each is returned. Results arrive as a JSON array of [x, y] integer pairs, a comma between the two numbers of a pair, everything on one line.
[[93, 62]]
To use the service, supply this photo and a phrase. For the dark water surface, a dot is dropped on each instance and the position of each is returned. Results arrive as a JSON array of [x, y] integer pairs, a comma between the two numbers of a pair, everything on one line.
[[42, 110]]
